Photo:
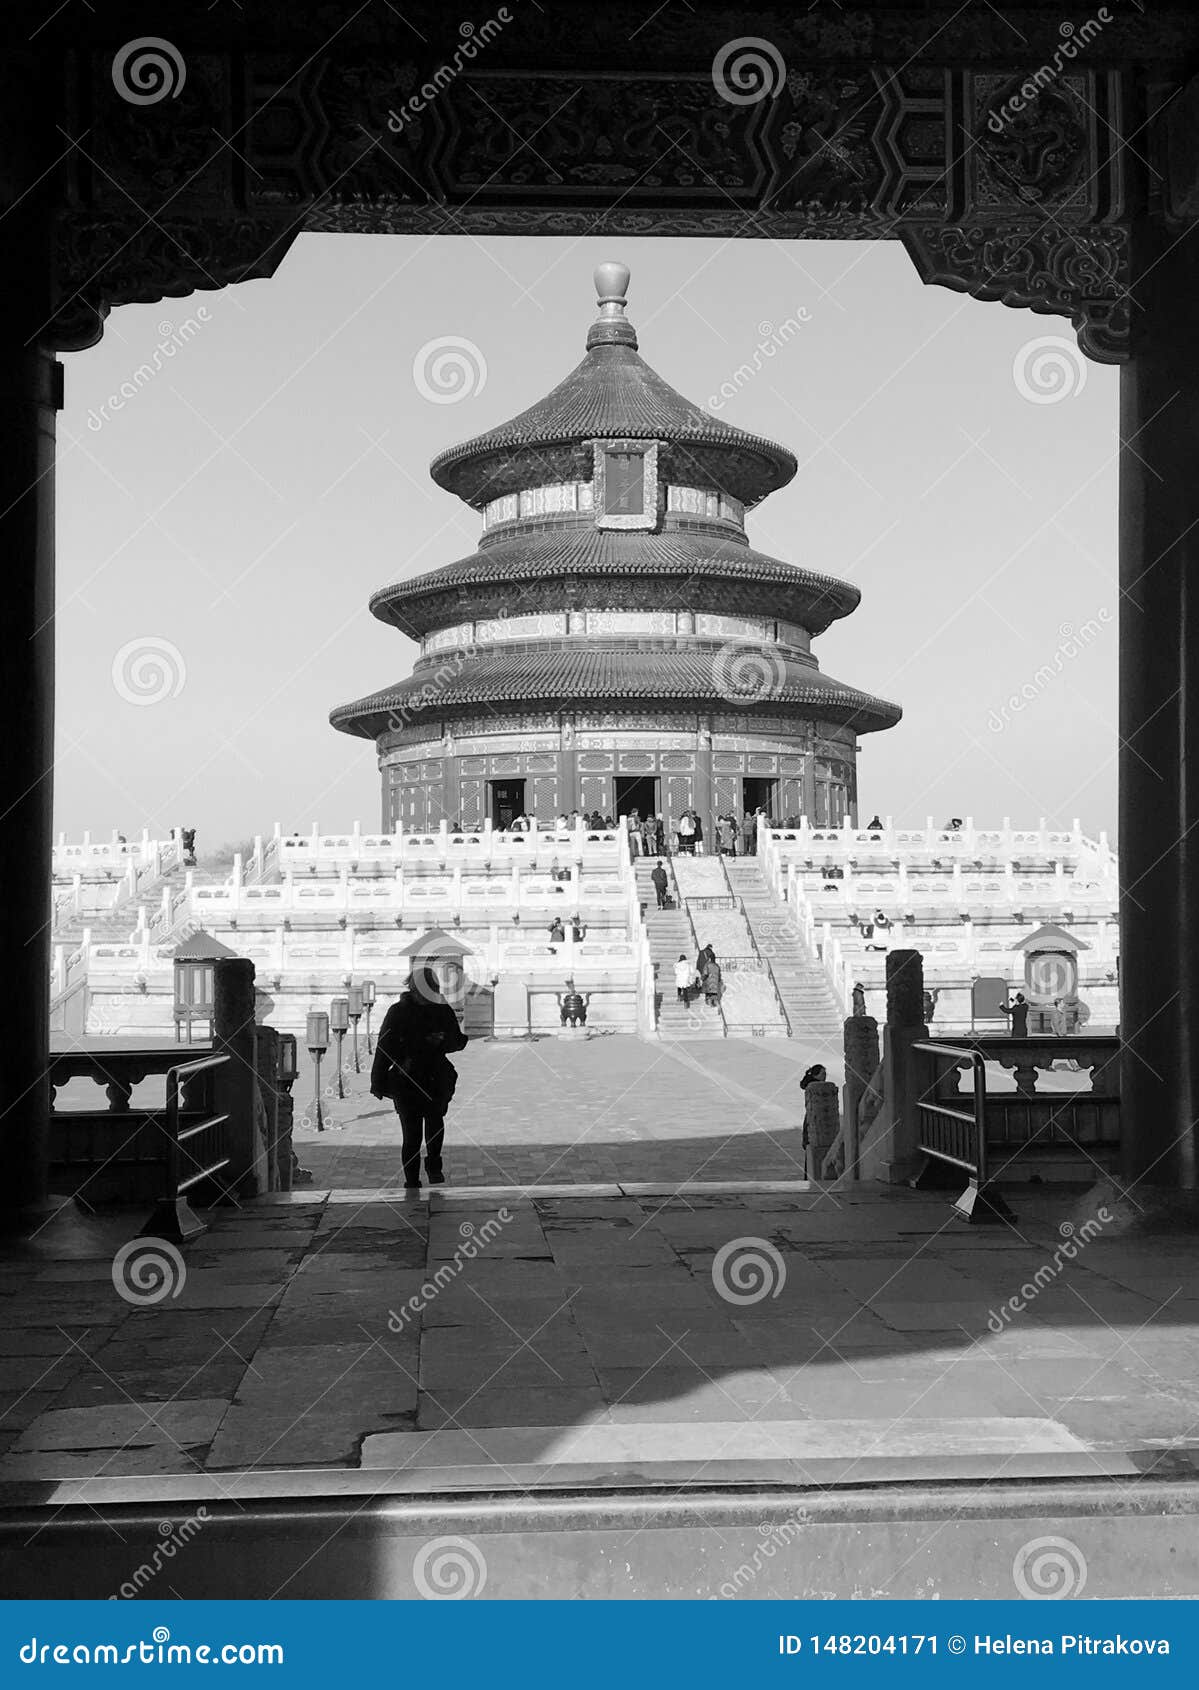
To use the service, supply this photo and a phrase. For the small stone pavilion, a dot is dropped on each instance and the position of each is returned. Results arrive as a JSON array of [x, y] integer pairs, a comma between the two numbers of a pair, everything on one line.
[[615, 642]]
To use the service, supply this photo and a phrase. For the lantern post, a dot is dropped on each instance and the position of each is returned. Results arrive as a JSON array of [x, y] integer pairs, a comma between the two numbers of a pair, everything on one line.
[[368, 999], [356, 1005], [318, 1044], [339, 1024]]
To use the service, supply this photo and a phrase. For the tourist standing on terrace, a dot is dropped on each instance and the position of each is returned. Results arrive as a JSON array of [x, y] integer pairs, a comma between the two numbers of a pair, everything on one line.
[[1018, 1010], [749, 834], [413, 1069], [686, 832]]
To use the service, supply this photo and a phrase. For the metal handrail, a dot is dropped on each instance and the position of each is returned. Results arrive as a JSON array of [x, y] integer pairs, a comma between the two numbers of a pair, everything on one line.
[[173, 1217], [978, 1202]]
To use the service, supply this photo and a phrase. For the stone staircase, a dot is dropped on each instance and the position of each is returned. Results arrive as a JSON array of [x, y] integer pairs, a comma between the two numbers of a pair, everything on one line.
[[671, 934], [808, 998]]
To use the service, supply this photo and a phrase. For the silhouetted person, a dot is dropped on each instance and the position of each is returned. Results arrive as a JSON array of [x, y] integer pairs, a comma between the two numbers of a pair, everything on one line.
[[557, 932], [872, 826], [413, 1069], [660, 883], [187, 839], [1018, 1010]]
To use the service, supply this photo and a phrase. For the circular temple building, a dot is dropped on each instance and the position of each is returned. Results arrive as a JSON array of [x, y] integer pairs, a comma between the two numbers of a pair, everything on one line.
[[615, 643]]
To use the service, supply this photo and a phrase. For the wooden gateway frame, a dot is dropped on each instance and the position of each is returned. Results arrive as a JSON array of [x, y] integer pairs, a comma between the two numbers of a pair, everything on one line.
[[1016, 160]]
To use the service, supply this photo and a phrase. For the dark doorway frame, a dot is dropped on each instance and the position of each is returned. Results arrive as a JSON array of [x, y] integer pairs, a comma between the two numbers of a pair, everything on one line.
[[505, 801], [642, 793]]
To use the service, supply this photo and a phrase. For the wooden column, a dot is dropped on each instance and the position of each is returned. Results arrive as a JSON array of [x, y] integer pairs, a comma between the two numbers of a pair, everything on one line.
[[1159, 712], [30, 395]]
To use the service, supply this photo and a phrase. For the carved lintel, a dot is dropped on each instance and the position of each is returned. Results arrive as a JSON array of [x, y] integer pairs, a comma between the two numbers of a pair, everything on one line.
[[1077, 273], [102, 261]]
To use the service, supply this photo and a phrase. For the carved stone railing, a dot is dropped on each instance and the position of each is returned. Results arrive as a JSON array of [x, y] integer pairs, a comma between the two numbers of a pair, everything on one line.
[[1034, 1120]]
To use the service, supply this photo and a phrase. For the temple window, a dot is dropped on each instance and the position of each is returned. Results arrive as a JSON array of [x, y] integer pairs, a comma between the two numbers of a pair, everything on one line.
[[626, 483]]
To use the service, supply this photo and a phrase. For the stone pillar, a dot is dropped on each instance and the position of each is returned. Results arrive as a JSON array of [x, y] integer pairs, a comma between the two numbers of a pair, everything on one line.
[[1159, 713], [861, 1061], [235, 1085], [266, 1062], [703, 796], [891, 1154], [569, 796], [30, 395], [823, 1119]]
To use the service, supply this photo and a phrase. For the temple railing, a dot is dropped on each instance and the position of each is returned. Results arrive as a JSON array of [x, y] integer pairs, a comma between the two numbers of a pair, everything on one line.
[[1034, 1119]]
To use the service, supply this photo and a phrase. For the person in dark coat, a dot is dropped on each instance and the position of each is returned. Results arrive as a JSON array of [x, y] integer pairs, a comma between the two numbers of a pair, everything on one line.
[[413, 1069], [660, 884], [711, 980], [1018, 1010]]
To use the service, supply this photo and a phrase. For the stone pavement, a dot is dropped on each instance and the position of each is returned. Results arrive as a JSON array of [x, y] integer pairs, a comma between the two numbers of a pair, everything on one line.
[[494, 1329], [608, 1109]]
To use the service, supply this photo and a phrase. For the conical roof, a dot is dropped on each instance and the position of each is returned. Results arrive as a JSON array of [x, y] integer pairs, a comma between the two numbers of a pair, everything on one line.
[[612, 394]]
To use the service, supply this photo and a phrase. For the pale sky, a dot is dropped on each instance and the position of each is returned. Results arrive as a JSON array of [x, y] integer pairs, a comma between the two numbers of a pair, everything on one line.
[[236, 513]]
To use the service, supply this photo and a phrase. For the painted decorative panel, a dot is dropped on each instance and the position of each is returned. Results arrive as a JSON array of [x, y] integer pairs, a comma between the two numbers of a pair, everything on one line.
[[734, 627], [470, 807], [635, 762], [630, 622], [594, 760], [678, 760], [595, 793], [462, 634], [536, 625]]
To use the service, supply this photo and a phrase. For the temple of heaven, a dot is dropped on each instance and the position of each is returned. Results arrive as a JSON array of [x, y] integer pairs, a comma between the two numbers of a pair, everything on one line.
[[615, 642]]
